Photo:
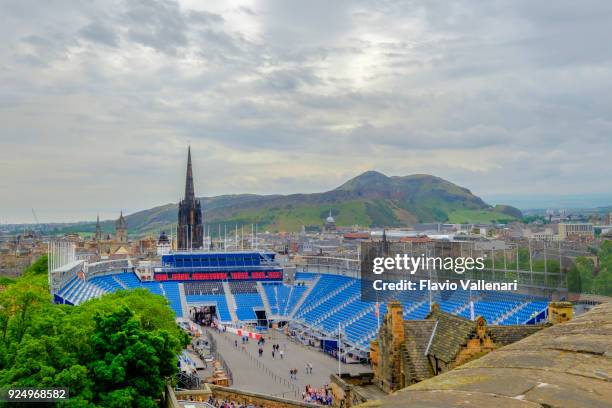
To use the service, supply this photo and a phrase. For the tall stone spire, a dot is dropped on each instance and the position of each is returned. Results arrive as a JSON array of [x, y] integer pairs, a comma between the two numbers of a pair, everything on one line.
[[98, 235], [189, 191], [190, 231], [121, 229]]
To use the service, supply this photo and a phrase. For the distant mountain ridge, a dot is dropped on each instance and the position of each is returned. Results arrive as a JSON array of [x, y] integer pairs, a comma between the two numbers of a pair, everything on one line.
[[371, 199]]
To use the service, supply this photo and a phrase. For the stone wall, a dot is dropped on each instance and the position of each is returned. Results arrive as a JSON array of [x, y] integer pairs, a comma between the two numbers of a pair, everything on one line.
[[345, 388], [387, 368], [238, 396]]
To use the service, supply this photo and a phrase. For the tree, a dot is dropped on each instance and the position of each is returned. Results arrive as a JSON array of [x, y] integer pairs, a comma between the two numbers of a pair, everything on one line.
[[114, 351], [129, 365]]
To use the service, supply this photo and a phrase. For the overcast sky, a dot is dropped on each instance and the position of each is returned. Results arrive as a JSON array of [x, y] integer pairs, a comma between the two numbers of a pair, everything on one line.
[[99, 99]]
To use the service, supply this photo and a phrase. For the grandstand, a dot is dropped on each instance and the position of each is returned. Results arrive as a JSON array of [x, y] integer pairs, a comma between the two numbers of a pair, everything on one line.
[[317, 306], [246, 287]]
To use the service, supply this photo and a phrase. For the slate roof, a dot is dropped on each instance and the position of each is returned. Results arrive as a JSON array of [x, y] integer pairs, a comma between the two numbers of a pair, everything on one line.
[[565, 365], [417, 336], [451, 334]]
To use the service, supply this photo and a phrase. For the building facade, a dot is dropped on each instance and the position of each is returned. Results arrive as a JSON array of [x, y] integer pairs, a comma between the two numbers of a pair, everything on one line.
[[575, 230]]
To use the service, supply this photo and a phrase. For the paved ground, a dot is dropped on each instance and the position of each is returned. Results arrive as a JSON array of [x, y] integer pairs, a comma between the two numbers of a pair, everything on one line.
[[271, 375]]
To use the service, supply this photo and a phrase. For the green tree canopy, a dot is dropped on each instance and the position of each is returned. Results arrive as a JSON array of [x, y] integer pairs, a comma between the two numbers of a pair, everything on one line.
[[113, 351]]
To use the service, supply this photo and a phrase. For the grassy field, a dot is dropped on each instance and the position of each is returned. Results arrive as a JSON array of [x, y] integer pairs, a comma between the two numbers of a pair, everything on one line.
[[478, 216], [293, 217]]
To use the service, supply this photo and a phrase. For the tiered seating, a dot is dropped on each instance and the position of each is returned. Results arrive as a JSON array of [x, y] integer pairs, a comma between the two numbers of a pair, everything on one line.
[[272, 293], [208, 293], [218, 300], [204, 288], [327, 308], [68, 287], [326, 285], [107, 283], [418, 313], [247, 299], [243, 287], [526, 313], [283, 298], [129, 279], [494, 305], [334, 300], [295, 294], [452, 301], [362, 329], [79, 291], [172, 293], [245, 305], [153, 287]]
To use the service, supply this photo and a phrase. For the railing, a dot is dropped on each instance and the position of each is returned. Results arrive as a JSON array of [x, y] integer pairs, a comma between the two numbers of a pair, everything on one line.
[[330, 265], [106, 267], [213, 350]]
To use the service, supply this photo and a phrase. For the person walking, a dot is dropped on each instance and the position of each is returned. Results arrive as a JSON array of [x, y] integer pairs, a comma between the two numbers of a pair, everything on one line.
[[281, 354]]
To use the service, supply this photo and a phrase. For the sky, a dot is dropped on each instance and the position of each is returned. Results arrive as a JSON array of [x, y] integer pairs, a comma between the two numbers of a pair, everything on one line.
[[99, 99]]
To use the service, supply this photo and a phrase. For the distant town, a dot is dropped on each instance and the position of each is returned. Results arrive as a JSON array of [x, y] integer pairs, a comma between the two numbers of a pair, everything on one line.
[[571, 232]]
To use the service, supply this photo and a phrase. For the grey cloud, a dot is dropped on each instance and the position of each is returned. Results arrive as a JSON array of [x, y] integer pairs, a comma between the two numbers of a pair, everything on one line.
[[99, 32], [281, 97], [203, 17], [157, 24]]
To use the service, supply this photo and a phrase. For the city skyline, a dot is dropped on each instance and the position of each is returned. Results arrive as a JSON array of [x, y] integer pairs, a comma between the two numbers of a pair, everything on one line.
[[101, 99]]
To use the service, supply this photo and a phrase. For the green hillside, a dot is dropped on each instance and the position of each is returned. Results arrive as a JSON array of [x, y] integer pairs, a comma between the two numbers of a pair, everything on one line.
[[479, 216], [371, 199]]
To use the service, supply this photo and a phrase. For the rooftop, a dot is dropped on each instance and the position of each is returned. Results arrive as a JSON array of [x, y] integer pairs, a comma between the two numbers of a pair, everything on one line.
[[566, 365]]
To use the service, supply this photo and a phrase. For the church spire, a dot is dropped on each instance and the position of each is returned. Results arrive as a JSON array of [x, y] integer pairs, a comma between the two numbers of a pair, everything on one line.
[[190, 230], [98, 234], [189, 192]]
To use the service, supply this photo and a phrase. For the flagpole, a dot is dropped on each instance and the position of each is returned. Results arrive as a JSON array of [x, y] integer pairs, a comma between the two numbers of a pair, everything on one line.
[[339, 367]]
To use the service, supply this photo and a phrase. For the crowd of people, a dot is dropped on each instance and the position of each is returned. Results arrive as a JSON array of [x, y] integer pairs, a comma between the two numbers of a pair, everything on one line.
[[321, 396]]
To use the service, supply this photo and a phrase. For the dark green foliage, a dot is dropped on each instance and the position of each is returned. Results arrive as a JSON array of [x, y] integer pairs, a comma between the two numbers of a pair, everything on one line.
[[129, 365], [39, 267], [115, 351], [584, 277], [528, 219]]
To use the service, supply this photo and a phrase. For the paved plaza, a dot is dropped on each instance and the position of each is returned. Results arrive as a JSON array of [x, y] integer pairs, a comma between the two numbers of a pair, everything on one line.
[[271, 375]]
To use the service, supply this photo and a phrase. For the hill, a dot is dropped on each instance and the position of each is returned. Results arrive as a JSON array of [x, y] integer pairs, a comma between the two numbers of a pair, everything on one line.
[[371, 199]]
